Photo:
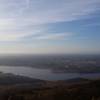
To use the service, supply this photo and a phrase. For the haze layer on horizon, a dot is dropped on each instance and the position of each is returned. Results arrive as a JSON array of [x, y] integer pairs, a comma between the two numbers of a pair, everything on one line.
[[49, 26]]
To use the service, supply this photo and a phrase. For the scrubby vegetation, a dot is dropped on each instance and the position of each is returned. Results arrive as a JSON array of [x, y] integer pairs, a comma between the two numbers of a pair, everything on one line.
[[83, 90]]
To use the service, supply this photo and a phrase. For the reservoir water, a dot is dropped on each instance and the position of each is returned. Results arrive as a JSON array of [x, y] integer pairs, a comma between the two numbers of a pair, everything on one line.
[[45, 74]]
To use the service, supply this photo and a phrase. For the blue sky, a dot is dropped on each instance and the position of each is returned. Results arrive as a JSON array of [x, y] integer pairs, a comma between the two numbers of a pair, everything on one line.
[[50, 26]]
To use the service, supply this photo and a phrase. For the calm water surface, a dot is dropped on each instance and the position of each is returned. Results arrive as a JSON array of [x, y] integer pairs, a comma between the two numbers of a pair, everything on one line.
[[45, 74]]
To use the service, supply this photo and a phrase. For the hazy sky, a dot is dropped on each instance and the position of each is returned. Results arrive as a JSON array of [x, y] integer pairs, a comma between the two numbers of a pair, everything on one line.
[[49, 26]]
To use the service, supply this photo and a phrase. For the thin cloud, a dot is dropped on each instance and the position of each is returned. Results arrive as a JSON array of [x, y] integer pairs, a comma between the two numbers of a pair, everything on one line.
[[45, 11], [25, 13], [55, 36]]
